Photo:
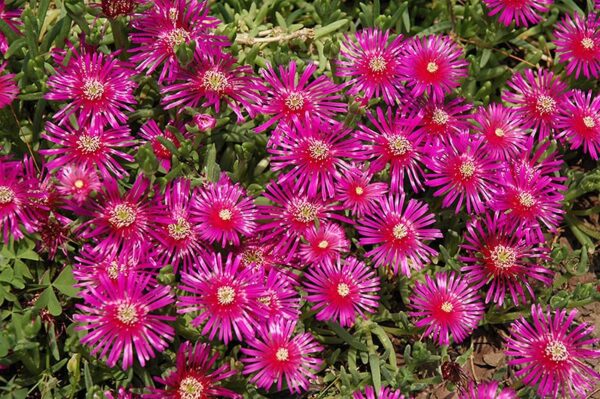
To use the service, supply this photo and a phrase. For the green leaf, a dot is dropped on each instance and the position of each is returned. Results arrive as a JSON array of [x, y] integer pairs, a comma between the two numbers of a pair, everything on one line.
[[349, 339], [332, 27], [485, 57], [65, 282], [375, 371], [49, 300]]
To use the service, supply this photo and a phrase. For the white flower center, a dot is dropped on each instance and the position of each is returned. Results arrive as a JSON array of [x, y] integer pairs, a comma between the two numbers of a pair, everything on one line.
[[78, 183], [440, 117], [343, 290], [190, 388], [7, 195], [587, 43], [179, 230], [215, 81], [432, 67], [545, 105], [282, 354], [503, 257], [499, 132], [225, 295], [127, 314], [467, 169], [304, 212], [399, 145], [88, 144], [377, 64], [319, 150], [114, 270], [447, 307], [400, 231], [122, 215], [589, 122], [93, 89], [177, 37], [323, 244], [557, 351], [526, 199], [265, 300], [294, 101], [359, 190], [225, 214]]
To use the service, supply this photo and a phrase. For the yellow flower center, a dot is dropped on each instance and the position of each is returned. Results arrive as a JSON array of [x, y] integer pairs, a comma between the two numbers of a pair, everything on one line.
[[526, 200], [359, 190], [400, 231], [215, 81], [319, 150], [557, 351], [545, 105], [253, 256], [587, 43], [93, 89], [7, 195], [304, 212], [225, 214], [265, 300], [589, 122], [179, 230], [225, 295], [432, 67], [294, 101], [499, 132], [467, 169], [447, 307], [440, 117], [282, 354], [173, 14], [503, 257], [177, 37], [377, 64], [399, 145], [88, 144], [343, 290], [78, 183], [122, 215], [127, 314], [114, 270], [190, 388], [323, 244]]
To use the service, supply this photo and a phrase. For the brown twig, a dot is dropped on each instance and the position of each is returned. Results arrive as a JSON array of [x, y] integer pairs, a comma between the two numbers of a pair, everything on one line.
[[304, 34]]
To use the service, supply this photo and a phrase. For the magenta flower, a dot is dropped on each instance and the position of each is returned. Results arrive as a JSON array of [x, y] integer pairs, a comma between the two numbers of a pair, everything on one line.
[[446, 305], [224, 294], [276, 355], [342, 289], [224, 211], [178, 239], [77, 182], [373, 64], [120, 319], [91, 148], [394, 141], [441, 120], [398, 231], [502, 261], [357, 193], [122, 393], [384, 393], [578, 44], [204, 122], [503, 135], [579, 122], [258, 254], [432, 65], [278, 299], [152, 132], [537, 97], [120, 220], [551, 353], [12, 18], [324, 244], [99, 88], [464, 172], [316, 152], [486, 390], [212, 78], [195, 376], [522, 12], [288, 97], [165, 26], [8, 87], [114, 8]]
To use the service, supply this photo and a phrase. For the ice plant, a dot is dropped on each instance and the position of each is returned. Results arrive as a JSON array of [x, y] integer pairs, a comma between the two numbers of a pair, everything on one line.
[[93, 148], [278, 298], [287, 97], [357, 193], [371, 61], [120, 320], [462, 172], [77, 182], [341, 290], [501, 129], [398, 229], [317, 154], [537, 96], [97, 87], [224, 211], [502, 261], [323, 245], [8, 88], [440, 120], [447, 306], [486, 390], [165, 26], [152, 132], [521, 12], [578, 44], [394, 140], [579, 122], [12, 18], [223, 294], [212, 78], [550, 353], [196, 376], [276, 355], [384, 393], [432, 65], [258, 254], [114, 8]]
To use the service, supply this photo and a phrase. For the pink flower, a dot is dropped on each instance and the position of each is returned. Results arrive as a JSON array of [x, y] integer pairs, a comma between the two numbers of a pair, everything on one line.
[[12, 18], [278, 298], [258, 255], [8, 87], [502, 261], [224, 211], [342, 289], [204, 122], [99, 88], [397, 230], [77, 182], [441, 120], [486, 390], [317, 153], [324, 244], [120, 322], [212, 77], [446, 305], [357, 193], [551, 353], [395, 141], [152, 132], [464, 172], [224, 294], [503, 135], [384, 393], [288, 97], [114, 8], [578, 43], [372, 63], [90, 148], [537, 97], [579, 122], [195, 376], [522, 12], [276, 355], [432, 65], [165, 26]]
